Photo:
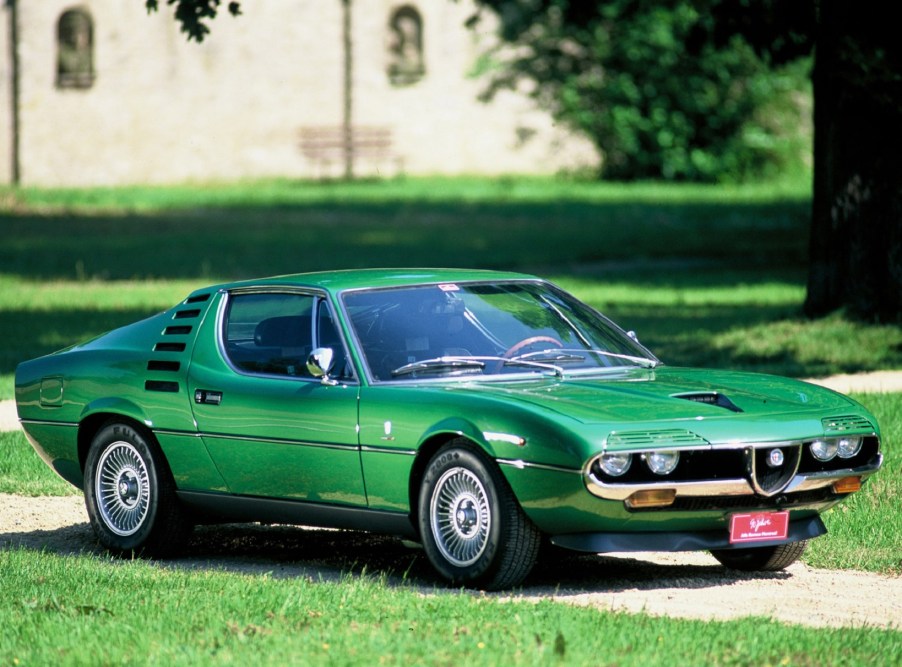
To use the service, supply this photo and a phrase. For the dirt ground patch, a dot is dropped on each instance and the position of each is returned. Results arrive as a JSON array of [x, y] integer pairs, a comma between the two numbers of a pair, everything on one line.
[[686, 585]]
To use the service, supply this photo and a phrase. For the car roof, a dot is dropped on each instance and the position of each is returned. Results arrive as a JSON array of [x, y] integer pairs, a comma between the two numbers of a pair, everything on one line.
[[338, 281]]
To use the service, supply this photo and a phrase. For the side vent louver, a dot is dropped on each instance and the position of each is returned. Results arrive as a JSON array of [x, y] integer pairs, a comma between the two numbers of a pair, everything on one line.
[[710, 398], [160, 385], [173, 365], [157, 365], [169, 347]]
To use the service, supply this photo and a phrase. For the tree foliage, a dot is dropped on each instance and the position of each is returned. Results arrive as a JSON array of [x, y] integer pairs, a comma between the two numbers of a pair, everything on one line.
[[192, 15], [666, 89], [684, 89], [615, 66]]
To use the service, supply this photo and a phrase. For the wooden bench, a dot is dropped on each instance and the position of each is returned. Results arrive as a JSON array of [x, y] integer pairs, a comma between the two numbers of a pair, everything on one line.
[[368, 147]]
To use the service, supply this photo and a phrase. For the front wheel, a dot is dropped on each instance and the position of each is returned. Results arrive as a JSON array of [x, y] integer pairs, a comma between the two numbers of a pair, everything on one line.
[[474, 531], [761, 559], [130, 494]]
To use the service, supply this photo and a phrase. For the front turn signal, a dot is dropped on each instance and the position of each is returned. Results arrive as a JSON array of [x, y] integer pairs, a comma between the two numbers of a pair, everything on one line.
[[651, 498], [847, 485]]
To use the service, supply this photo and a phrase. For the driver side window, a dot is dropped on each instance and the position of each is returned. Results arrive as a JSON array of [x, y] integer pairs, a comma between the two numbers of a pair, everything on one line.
[[269, 334]]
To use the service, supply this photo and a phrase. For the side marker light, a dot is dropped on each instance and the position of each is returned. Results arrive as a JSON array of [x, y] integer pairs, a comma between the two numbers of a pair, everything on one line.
[[847, 485], [651, 498]]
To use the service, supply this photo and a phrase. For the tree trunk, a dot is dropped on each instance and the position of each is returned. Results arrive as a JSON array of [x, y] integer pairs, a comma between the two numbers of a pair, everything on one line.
[[856, 227]]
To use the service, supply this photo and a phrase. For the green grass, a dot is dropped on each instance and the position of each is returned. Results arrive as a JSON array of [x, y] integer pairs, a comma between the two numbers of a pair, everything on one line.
[[74, 263], [709, 276], [864, 531], [456, 190], [89, 610], [22, 472], [282, 227]]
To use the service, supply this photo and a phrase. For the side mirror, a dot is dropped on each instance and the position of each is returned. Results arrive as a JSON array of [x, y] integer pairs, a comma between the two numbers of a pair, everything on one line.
[[320, 363]]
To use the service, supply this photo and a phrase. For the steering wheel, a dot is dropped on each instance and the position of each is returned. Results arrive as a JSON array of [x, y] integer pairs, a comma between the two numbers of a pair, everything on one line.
[[511, 352]]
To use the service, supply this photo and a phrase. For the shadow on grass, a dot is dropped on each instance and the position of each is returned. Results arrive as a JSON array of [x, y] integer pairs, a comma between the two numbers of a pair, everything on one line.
[[686, 245], [330, 555], [242, 242]]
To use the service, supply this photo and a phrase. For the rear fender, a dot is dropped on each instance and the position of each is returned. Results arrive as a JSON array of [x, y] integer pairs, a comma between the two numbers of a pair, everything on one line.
[[116, 406]]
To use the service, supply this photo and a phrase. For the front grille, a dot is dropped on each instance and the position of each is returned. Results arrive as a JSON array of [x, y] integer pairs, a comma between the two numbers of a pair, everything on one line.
[[770, 479]]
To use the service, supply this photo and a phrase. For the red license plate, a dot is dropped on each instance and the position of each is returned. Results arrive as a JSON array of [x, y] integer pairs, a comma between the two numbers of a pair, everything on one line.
[[759, 527]]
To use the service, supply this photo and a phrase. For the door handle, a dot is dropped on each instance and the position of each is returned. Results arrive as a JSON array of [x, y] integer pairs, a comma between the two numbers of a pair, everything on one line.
[[208, 397]]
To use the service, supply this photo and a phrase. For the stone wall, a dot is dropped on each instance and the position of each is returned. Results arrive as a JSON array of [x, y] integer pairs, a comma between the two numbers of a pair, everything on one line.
[[160, 109]]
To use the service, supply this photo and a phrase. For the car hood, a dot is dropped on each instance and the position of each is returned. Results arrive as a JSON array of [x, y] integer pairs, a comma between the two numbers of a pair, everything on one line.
[[663, 394]]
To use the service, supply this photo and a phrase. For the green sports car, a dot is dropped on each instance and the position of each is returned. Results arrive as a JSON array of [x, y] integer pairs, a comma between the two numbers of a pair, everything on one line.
[[479, 413]]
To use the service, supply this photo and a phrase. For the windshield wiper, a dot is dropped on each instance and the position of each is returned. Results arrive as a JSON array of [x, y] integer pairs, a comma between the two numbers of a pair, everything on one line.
[[644, 362], [542, 365], [439, 364], [565, 355], [561, 356]]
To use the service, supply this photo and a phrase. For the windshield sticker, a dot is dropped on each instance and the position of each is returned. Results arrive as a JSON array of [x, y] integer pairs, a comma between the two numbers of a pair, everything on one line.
[[449, 287]]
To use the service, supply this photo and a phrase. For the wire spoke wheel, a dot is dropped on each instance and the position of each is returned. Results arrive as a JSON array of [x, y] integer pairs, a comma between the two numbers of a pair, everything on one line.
[[122, 488], [473, 530], [130, 494], [460, 516]]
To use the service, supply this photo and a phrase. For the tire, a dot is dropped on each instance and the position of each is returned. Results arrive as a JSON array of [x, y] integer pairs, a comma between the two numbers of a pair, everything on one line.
[[474, 532], [130, 494], [761, 559]]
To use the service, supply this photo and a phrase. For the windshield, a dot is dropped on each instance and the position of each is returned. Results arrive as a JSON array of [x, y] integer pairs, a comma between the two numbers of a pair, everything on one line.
[[485, 329]]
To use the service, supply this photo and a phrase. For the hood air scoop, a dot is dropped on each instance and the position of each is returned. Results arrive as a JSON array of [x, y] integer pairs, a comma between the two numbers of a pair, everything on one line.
[[710, 398]]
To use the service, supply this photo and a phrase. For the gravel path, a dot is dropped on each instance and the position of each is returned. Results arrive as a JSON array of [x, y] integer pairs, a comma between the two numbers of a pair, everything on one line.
[[9, 419], [686, 585]]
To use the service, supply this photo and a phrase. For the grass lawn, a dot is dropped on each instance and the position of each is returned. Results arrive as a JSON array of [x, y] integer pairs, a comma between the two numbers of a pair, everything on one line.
[[707, 276], [75, 610]]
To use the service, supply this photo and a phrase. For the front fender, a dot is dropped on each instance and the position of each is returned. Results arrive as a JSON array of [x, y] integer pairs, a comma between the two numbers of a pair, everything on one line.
[[453, 426]]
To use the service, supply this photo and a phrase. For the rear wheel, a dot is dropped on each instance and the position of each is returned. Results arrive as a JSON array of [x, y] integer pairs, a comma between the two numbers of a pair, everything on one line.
[[130, 494], [761, 559], [474, 531]]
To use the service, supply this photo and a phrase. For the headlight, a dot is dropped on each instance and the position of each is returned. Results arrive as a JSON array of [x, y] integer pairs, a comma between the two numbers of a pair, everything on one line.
[[848, 447], [662, 462], [824, 450], [615, 464]]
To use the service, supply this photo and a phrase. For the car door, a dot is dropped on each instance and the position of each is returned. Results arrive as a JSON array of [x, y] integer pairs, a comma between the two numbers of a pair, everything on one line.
[[272, 429]]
